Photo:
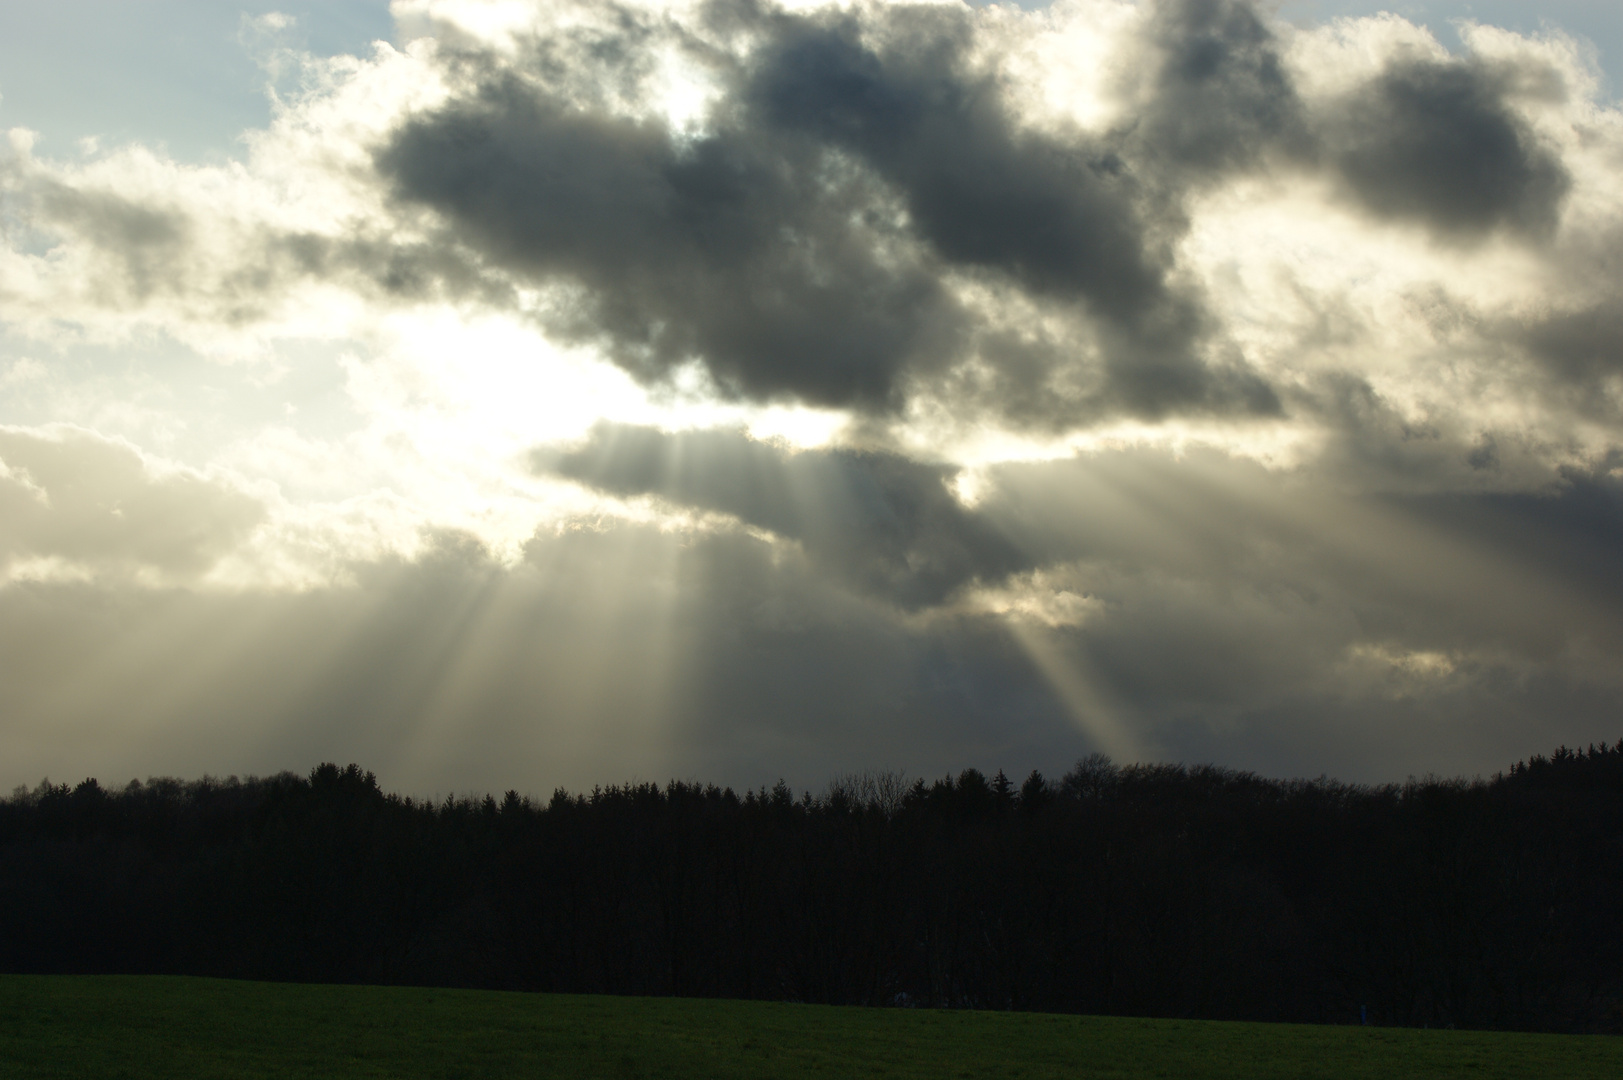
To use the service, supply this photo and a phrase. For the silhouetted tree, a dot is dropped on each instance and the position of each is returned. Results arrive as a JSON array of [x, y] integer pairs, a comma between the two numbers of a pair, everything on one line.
[[1145, 889]]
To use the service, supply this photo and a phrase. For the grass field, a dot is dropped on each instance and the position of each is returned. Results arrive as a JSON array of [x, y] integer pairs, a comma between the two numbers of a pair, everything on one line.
[[128, 1026]]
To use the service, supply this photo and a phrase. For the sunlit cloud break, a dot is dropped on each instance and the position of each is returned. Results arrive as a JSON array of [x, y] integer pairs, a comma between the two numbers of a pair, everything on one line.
[[566, 392]]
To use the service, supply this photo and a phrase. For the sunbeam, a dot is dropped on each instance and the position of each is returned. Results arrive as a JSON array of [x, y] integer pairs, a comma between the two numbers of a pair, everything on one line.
[[1066, 673]]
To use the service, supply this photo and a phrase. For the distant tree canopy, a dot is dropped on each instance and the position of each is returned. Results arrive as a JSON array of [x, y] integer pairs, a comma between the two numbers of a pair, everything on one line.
[[1158, 890]]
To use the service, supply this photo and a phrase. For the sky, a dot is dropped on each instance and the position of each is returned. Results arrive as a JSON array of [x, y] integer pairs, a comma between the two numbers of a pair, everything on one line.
[[537, 393]]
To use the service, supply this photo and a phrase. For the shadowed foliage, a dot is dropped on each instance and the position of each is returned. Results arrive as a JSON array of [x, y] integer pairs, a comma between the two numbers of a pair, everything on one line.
[[1151, 890]]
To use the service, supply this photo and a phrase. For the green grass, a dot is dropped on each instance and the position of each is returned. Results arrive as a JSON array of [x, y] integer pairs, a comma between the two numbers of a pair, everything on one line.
[[128, 1026]]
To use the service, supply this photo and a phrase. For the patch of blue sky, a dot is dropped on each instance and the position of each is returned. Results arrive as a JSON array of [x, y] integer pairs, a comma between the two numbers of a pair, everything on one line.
[[180, 75]]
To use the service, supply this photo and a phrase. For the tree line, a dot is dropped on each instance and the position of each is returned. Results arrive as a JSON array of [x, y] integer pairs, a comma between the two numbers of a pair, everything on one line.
[[1150, 890]]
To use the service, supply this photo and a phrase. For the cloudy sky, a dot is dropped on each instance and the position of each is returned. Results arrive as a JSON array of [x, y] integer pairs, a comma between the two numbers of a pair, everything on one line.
[[524, 393]]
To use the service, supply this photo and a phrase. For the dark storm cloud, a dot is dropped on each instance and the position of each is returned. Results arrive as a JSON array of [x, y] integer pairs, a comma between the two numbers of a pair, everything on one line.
[[1059, 217], [880, 522], [796, 248], [1578, 347], [1433, 142], [1220, 98], [757, 257], [1063, 218], [1436, 143]]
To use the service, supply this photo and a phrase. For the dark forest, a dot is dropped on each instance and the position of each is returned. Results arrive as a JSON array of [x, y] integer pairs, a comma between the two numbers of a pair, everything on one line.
[[1151, 890]]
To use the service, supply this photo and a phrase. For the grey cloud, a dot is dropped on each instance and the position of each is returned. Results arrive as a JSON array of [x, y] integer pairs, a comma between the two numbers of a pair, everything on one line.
[[76, 497], [1572, 529], [150, 244], [605, 656], [1224, 609], [1081, 216], [1432, 142], [1063, 218], [1142, 532], [756, 257], [801, 674], [1234, 613], [1059, 217], [1220, 98], [882, 523], [1374, 446], [144, 251], [1582, 348], [387, 267], [1436, 143], [1498, 573], [856, 162], [796, 249], [1213, 588]]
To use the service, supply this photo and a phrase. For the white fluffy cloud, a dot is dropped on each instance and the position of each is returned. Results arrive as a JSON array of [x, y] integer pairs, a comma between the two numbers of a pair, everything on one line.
[[75, 506]]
